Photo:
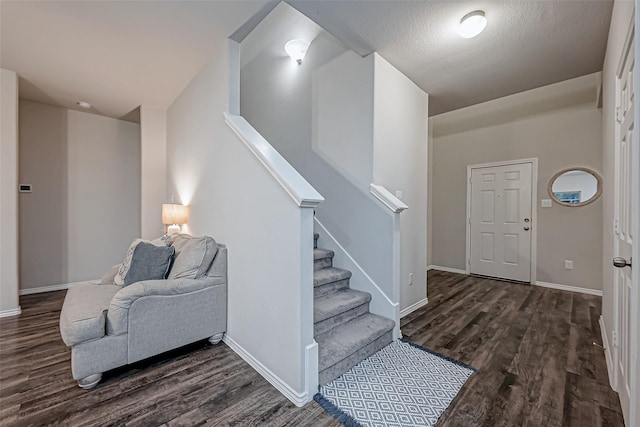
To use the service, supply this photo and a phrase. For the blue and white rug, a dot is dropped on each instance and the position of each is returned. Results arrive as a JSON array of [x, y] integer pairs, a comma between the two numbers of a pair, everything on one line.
[[402, 385]]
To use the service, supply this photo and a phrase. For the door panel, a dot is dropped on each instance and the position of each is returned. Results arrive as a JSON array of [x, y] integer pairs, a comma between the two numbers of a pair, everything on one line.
[[488, 214], [512, 206], [500, 201], [487, 247], [511, 249], [623, 235]]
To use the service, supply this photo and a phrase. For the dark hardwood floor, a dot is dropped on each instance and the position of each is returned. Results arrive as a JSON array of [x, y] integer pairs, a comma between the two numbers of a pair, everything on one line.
[[533, 347]]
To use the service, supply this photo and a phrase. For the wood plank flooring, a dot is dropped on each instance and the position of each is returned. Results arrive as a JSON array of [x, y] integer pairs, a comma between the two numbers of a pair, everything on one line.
[[533, 347]]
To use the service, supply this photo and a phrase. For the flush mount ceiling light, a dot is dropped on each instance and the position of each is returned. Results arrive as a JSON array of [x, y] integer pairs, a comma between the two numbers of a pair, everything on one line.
[[84, 104], [472, 24], [296, 49]]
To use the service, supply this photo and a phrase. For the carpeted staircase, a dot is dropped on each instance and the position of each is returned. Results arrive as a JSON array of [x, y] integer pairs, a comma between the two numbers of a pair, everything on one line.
[[344, 329]]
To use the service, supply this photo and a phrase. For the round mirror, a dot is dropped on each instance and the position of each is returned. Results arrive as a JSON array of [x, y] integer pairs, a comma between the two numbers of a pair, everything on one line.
[[575, 186]]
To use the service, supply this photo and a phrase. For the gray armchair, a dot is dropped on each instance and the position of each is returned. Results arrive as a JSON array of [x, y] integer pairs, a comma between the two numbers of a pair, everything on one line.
[[108, 326]]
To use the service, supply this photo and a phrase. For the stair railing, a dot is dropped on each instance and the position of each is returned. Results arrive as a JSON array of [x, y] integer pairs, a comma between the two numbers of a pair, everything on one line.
[[396, 206]]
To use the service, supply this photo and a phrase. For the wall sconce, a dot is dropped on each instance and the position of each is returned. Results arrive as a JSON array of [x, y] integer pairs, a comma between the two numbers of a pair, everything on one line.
[[174, 216], [296, 49]]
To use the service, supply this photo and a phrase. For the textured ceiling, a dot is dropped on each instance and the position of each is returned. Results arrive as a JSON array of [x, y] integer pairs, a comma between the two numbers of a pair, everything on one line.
[[526, 44], [115, 54], [119, 55]]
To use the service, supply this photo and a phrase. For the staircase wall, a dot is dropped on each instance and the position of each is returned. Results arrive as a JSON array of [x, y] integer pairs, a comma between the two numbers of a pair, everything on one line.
[[319, 116], [400, 140], [327, 118], [236, 199]]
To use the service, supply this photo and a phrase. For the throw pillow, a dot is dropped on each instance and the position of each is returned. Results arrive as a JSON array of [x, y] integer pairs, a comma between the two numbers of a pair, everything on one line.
[[124, 267], [193, 256], [149, 262]]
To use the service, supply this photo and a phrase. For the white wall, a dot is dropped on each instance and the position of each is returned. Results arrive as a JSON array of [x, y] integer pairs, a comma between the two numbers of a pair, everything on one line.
[[104, 192], [400, 164], [84, 210], [153, 170], [8, 193], [321, 117], [343, 136], [43, 212], [303, 115], [559, 139], [235, 200], [620, 19]]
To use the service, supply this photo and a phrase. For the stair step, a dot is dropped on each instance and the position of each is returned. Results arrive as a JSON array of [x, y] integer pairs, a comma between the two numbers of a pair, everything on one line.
[[343, 347], [330, 280], [322, 258], [338, 308]]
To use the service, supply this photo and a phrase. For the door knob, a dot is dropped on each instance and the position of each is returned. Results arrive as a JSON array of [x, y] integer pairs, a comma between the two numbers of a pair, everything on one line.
[[526, 229], [526, 220], [621, 262]]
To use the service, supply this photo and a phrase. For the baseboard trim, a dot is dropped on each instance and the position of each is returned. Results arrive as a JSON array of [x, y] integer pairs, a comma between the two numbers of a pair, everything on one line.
[[414, 307], [559, 287], [42, 289], [298, 399], [447, 269], [607, 353], [12, 312], [311, 366], [61, 287]]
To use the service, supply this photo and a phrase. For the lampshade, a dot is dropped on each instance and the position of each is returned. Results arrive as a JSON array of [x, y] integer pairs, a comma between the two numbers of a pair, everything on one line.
[[174, 214]]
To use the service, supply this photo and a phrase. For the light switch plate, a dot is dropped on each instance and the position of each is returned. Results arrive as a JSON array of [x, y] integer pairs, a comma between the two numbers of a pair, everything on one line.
[[546, 203], [399, 194]]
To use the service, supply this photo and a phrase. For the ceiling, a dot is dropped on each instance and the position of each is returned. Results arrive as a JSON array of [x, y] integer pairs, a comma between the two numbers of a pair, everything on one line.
[[122, 54], [527, 43], [117, 55]]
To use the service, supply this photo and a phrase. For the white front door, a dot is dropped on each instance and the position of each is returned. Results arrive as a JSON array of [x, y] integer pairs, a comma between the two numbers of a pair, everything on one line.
[[623, 227], [500, 221]]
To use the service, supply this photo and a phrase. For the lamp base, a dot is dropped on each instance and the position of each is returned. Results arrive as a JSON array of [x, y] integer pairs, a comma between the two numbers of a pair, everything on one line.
[[173, 229]]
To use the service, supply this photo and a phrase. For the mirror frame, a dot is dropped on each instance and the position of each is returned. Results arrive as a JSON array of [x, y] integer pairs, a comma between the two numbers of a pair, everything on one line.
[[574, 168]]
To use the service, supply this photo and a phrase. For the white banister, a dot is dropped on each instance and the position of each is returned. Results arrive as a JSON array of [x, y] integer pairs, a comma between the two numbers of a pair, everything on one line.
[[302, 193], [387, 198]]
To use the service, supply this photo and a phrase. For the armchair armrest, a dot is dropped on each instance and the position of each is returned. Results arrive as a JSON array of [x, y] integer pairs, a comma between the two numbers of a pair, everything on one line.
[[83, 312], [117, 316]]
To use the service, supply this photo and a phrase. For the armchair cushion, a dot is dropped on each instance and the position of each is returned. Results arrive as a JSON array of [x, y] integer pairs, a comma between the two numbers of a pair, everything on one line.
[[126, 264], [193, 256], [109, 277], [84, 312], [149, 262]]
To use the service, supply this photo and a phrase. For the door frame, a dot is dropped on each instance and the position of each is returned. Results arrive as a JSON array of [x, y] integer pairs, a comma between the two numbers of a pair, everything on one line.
[[634, 333], [534, 210], [634, 344], [635, 250]]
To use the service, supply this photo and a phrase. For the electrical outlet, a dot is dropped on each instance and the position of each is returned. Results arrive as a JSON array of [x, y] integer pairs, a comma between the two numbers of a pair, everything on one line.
[[410, 279], [568, 264], [614, 338], [546, 203]]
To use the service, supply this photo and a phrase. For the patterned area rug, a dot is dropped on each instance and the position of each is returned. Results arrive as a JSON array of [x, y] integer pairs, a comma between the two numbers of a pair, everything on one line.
[[401, 385]]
